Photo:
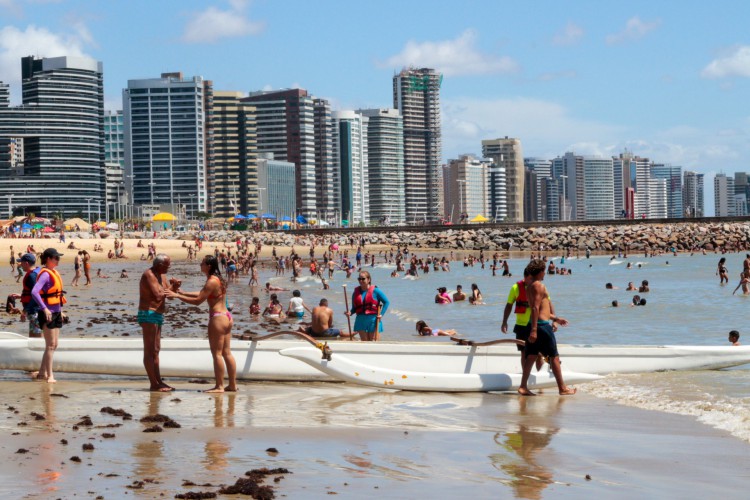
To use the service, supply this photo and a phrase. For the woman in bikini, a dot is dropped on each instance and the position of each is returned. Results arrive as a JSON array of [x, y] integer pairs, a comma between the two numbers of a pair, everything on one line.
[[219, 322]]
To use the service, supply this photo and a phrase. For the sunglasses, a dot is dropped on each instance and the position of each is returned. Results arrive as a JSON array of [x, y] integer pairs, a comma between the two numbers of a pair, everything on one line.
[[361, 279]]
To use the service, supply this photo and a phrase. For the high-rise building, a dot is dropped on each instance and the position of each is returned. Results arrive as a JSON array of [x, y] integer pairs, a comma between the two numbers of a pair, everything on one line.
[[285, 125], [166, 136], [114, 138], [672, 176], [534, 205], [57, 166], [233, 176], [724, 201], [350, 156], [569, 170], [465, 184], [692, 194], [277, 192], [416, 94], [598, 188], [508, 154], [327, 178], [385, 148]]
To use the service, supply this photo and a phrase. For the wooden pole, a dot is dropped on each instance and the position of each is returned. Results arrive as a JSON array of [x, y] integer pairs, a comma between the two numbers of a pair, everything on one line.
[[376, 335], [348, 317]]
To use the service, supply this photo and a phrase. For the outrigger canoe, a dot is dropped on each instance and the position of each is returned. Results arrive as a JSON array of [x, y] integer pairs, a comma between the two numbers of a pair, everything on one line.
[[261, 359]]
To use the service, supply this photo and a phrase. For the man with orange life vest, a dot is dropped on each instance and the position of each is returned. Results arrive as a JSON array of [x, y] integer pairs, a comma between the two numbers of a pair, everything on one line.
[[30, 307], [49, 295], [522, 327], [365, 302]]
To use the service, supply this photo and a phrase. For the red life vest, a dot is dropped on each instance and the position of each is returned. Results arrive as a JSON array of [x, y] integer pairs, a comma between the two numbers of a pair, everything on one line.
[[370, 305], [27, 287], [522, 303]]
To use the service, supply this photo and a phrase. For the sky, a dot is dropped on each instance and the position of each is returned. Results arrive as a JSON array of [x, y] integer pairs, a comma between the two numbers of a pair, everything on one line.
[[664, 80]]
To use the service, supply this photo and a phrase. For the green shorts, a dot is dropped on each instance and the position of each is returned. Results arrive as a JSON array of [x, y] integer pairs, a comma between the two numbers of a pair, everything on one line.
[[150, 316]]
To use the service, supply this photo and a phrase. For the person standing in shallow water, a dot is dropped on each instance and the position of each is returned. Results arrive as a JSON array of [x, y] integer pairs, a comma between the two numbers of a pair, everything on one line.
[[541, 336], [219, 322], [366, 299], [49, 295], [151, 307]]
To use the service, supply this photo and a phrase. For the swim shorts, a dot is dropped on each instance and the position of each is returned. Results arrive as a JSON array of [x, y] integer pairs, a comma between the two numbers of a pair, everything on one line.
[[297, 314], [56, 321], [34, 329], [150, 316], [366, 323], [522, 333], [331, 332], [545, 344]]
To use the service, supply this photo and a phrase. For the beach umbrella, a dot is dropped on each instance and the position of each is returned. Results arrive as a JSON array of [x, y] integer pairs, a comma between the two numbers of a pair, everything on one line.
[[38, 226], [301, 219], [479, 218], [164, 217], [48, 229], [286, 218], [323, 223], [26, 227], [239, 217], [268, 216], [252, 216]]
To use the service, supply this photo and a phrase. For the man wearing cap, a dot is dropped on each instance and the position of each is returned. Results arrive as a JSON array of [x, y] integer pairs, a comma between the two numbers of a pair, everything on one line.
[[49, 296], [30, 307]]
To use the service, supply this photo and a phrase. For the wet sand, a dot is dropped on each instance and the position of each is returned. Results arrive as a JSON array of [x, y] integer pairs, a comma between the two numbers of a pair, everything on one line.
[[355, 442]]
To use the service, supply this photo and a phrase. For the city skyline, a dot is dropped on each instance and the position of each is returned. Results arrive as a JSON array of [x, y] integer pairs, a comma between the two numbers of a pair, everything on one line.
[[559, 77]]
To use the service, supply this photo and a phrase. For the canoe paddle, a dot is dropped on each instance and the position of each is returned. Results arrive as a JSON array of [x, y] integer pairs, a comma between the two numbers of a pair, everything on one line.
[[348, 317], [377, 324]]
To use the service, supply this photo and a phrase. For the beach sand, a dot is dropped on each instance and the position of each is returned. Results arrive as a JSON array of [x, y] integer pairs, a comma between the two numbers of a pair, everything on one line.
[[354, 442]]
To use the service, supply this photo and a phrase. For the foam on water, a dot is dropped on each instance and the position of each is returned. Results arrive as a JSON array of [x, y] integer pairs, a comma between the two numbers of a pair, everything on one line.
[[696, 394]]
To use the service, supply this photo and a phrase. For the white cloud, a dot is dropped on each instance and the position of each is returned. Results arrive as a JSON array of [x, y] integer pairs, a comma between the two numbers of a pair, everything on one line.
[[452, 57], [734, 62], [15, 44], [213, 24], [635, 29], [570, 35]]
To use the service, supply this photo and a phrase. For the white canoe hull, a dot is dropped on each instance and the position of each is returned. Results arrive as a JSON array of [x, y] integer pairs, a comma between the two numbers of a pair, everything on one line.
[[262, 361], [343, 368]]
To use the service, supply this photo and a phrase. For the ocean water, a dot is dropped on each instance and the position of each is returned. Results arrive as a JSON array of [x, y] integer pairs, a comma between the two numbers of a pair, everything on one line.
[[685, 306]]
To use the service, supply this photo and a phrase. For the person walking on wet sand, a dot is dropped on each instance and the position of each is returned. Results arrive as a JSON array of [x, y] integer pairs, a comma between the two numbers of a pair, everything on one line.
[[151, 306], [219, 322], [49, 296], [541, 336]]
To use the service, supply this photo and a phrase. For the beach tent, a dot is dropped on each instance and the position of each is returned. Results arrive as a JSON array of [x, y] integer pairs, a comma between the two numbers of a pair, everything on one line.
[[480, 218], [286, 218], [164, 217], [268, 216], [323, 223], [252, 216], [112, 226], [239, 217], [301, 219], [82, 224]]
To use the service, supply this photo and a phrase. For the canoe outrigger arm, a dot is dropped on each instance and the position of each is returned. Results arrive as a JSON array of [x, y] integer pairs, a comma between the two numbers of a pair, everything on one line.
[[324, 348]]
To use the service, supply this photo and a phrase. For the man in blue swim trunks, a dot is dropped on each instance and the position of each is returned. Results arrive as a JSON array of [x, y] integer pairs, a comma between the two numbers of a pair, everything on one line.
[[322, 322], [151, 307], [541, 336]]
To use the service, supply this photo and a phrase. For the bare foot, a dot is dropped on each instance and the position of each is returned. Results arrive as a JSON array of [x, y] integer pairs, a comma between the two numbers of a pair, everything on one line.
[[231, 389], [51, 380], [160, 389], [215, 390], [525, 392], [568, 391], [35, 375]]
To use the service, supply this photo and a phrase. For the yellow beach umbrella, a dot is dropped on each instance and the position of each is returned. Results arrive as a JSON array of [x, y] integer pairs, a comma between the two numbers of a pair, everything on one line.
[[164, 217], [479, 218]]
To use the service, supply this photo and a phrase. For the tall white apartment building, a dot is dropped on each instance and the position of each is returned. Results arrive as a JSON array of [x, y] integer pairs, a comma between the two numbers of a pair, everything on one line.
[[537, 170], [466, 185], [166, 136], [672, 176], [724, 202], [508, 154], [416, 94], [350, 158], [385, 147], [598, 193]]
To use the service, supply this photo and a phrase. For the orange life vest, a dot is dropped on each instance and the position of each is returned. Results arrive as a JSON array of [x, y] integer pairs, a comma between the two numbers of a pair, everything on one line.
[[55, 294], [369, 306], [522, 303]]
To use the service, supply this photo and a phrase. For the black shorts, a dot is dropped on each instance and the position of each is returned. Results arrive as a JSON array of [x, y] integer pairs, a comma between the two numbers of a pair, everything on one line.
[[56, 321], [522, 333], [545, 344]]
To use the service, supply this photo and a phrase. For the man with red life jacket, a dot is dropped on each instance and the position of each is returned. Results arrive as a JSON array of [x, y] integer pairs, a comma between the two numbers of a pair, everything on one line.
[[517, 296], [49, 295], [366, 299], [30, 307]]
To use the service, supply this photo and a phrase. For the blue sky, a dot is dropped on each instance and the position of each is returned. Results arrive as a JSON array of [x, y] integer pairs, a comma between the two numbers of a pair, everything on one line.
[[666, 80]]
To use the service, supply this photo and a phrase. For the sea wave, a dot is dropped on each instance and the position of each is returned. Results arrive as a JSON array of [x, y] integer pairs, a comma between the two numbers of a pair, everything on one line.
[[681, 393]]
